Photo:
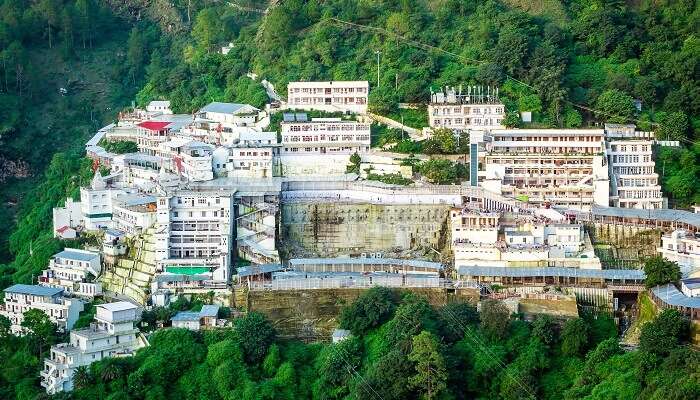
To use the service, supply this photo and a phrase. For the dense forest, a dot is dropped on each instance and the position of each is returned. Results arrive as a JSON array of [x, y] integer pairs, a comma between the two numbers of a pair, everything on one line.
[[401, 348]]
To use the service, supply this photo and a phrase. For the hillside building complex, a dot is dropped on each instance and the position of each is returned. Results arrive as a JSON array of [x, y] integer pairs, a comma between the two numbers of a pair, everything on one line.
[[477, 108], [333, 96], [20, 298], [113, 334]]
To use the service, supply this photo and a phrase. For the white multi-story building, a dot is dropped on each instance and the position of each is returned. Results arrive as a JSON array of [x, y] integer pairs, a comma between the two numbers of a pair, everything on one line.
[[322, 146], [484, 238], [96, 203], [476, 109], [250, 161], [346, 96], [133, 213], [194, 233], [324, 136], [562, 167], [75, 271], [21, 298], [682, 247], [633, 182], [111, 335], [223, 123]]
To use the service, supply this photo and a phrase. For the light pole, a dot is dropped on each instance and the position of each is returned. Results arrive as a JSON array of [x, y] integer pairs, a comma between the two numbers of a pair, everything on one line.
[[378, 53]]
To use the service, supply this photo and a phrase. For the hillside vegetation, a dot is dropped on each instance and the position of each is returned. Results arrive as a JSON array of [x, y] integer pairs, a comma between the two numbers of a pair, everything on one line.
[[402, 348]]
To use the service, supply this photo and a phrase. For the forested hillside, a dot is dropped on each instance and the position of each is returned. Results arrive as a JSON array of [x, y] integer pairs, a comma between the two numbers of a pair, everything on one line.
[[402, 348], [45, 46]]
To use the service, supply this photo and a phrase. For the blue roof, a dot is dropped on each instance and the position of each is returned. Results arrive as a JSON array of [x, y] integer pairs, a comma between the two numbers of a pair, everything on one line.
[[670, 295], [186, 316], [258, 269], [224, 108], [341, 274], [35, 290], [209, 310], [76, 255], [369, 261], [552, 271], [691, 283]]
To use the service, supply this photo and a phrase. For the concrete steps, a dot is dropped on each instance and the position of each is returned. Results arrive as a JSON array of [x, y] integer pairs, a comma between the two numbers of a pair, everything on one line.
[[133, 273]]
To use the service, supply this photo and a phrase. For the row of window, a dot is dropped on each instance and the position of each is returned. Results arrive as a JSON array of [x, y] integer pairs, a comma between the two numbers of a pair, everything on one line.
[[466, 110], [326, 127]]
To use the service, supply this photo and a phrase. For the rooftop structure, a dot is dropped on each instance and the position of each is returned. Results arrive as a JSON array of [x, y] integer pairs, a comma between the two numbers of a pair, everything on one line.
[[111, 335], [361, 265], [668, 296], [22, 298], [350, 96], [550, 276], [162, 106]]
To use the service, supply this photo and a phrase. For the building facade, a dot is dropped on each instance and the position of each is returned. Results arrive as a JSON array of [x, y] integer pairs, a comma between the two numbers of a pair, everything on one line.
[[195, 233], [633, 182], [560, 167], [477, 108], [75, 271], [20, 298], [111, 335], [332, 96]]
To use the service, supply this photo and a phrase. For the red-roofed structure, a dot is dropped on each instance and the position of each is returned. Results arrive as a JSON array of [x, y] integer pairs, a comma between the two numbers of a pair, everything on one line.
[[154, 125]]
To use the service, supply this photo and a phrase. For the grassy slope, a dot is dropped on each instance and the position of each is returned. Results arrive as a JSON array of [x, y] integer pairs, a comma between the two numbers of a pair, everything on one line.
[[60, 123]]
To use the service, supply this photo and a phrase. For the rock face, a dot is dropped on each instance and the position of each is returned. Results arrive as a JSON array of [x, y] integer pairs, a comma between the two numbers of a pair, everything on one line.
[[13, 169], [337, 229], [313, 314]]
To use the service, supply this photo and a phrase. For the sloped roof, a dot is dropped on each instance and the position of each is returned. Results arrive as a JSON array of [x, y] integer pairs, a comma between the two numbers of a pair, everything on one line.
[[76, 255], [34, 290], [154, 125], [226, 108]]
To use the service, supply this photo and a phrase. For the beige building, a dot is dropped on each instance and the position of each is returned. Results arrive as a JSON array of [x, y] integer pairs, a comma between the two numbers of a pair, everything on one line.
[[561, 167], [330, 96]]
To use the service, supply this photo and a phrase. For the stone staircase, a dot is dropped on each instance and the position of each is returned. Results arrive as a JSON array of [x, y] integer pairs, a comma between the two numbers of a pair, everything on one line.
[[131, 276], [256, 232]]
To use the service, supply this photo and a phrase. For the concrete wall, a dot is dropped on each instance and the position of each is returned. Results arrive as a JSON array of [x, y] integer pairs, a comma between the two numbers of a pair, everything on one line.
[[342, 228]]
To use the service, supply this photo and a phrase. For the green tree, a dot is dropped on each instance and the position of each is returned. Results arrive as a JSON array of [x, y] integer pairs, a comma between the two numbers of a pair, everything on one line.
[[255, 334], [368, 311], [439, 171], [495, 317], [672, 126], [81, 377], [615, 106], [40, 328], [455, 318], [660, 271], [206, 28], [430, 378], [355, 161], [664, 333], [545, 329], [389, 375], [5, 325], [574, 337], [512, 120]]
